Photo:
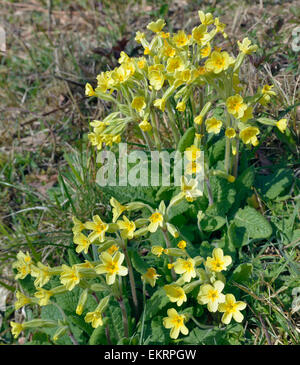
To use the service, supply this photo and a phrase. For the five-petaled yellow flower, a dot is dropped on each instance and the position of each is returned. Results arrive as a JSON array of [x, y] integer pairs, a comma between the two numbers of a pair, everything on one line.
[[211, 295], [231, 308], [186, 268], [213, 125], [98, 227], [156, 220], [22, 300], [157, 250], [138, 103], [218, 262], [282, 125], [127, 227], [82, 242], [95, 318], [248, 135], [150, 276], [16, 328], [218, 62], [236, 106], [111, 266], [175, 321], [70, 276], [175, 293]]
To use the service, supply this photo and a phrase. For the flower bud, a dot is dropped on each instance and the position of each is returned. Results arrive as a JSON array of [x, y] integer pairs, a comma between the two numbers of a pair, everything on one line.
[[61, 331], [172, 230], [81, 302]]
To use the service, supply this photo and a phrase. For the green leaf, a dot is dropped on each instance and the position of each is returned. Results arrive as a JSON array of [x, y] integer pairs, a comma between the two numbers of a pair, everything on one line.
[[242, 273], [186, 140], [178, 209], [223, 194], [256, 224], [275, 185], [212, 223], [238, 236], [73, 257], [139, 264], [216, 152], [98, 336], [157, 302]]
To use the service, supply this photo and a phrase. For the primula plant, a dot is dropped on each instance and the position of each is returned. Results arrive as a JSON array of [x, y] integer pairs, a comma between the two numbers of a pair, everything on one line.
[[165, 267]]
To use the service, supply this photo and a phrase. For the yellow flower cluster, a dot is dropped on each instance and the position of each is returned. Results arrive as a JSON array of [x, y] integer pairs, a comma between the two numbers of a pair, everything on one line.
[[178, 67]]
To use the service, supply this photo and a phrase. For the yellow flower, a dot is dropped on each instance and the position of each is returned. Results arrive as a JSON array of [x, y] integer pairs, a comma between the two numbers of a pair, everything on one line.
[[138, 103], [145, 126], [175, 321], [205, 51], [141, 63], [89, 91], [282, 125], [16, 328], [43, 296], [95, 318], [231, 308], [70, 276], [41, 273], [267, 90], [117, 210], [150, 276], [167, 50], [78, 226], [156, 26], [218, 262], [193, 167], [174, 64], [127, 228], [21, 300], [103, 81], [245, 47], [98, 227], [170, 266], [230, 133], [248, 114], [156, 220], [160, 104], [157, 250], [175, 293], [123, 73], [192, 153], [189, 189], [181, 106], [220, 27], [111, 266], [205, 19], [213, 125], [156, 79], [218, 62], [200, 35], [82, 242], [236, 106], [147, 51], [23, 265], [123, 57], [112, 249], [211, 295], [198, 120], [139, 36], [231, 178], [248, 135], [181, 245], [185, 267], [180, 39]]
